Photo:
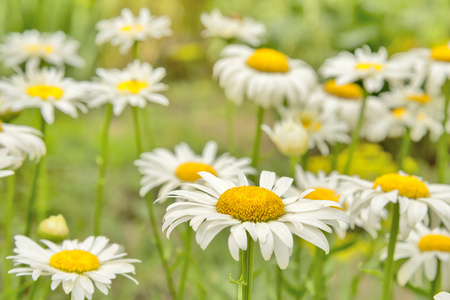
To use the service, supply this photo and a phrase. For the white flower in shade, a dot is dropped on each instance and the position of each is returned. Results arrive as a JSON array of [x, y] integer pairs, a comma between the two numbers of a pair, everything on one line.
[[442, 296], [243, 29], [423, 249], [126, 29], [372, 68], [78, 266], [171, 170], [260, 212], [290, 137], [33, 46], [135, 85], [46, 89], [22, 141], [8, 161], [265, 76], [416, 197]]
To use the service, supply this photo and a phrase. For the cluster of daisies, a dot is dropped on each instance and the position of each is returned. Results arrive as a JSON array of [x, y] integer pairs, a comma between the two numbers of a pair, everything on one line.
[[367, 92]]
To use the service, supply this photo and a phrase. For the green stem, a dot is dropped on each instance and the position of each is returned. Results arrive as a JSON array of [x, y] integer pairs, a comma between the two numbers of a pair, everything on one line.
[[9, 213], [149, 128], [298, 260], [336, 151], [230, 128], [293, 162], [389, 262], [304, 160], [247, 270], [101, 161], [404, 148], [137, 130], [279, 283], [159, 245], [442, 153], [319, 281], [355, 136], [33, 290], [34, 187], [134, 51], [436, 283], [186, 262], [257, 144]]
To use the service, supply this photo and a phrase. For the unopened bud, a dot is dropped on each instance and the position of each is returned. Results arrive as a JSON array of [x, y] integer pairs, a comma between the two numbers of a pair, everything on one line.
[[54, 228]]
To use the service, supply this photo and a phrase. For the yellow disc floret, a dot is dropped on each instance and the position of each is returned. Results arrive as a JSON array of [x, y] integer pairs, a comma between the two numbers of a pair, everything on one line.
[[370, 66], [407, 185], [250, 204], [268, 60], [421, 98], [441, 53], [45, 91], [132, 86], [75, 261], [323, 194], [132, 27], [435, 242], [347, 91], [399, 112], [188, 171]]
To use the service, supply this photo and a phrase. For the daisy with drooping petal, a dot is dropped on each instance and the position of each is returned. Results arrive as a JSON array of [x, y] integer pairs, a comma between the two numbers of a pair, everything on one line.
[[135, 85], [126, 29], [372, 68], [8, 161], [265, 76], [416, 197], [243, 29], [45, 89], [33, 46], [78, 266], [260, 212], [162, 167], [442, 296], [424, 248], [22, 141]]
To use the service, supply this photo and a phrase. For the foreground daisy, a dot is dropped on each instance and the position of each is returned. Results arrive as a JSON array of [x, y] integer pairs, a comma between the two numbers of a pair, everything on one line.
[[78, 266], [442, 296], [265, 76], [171, 170], [127, 29], [243, 29], [258, 212], [45, 89], [135, 85], [33, 46], [22, 141]]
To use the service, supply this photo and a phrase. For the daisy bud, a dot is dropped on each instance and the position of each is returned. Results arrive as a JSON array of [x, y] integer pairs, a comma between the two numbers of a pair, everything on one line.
[[290, 137], [54, 228]]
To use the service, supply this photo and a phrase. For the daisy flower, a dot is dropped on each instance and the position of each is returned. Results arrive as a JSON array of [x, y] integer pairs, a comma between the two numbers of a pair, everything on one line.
[[46, 89], [33, 46], [22, 141], [417, 198], [442, 296], [8, 161], [135, 85], [260, 212], [171, 170], [423, 249], [243, 29], [373, 68], [78, 266], [265, 76], [126, 29]]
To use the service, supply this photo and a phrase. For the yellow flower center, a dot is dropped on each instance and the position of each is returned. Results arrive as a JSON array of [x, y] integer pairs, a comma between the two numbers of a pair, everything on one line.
[[421, 98], [45, 91], [75, 261], [441, 53], [435, 242], [324, 194], [369, 66], [188, 171], [348, 91], [407, 185], [268, 60], [250, 204], [399, 112], [310, 122], [132, 27], [34, 48], [132, 86]]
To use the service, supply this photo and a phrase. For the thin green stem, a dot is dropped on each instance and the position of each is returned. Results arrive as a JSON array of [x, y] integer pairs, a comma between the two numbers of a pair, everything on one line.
[[355, 136], [33, 290], [292, 163], [319, 282], [159, 245], [247, 270], [8, 218], [134, 51], [137, 130], [101, 161], [389, 262], [186, 262], [304, 160], [436, 283], [404, 148], [336, 151], [442, 153], [298, 260], [230, 128], [279, 286], [149, 128], [257, 144]]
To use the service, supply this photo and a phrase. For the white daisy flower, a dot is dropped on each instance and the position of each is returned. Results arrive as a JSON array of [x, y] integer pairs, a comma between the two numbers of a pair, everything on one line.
[[290, 137], [33, 46], [372, 68], [126, 29], [22, 141], [78, 266], [442, 296], [423, 249], [259, 211], [265, 76], [135, 85], [8, 161], [46, 89], [243, 29], [171, 170], [417, 198]]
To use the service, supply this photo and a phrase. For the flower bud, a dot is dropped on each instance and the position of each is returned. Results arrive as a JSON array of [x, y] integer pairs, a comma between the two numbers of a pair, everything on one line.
[[54, 228], [291, 138]]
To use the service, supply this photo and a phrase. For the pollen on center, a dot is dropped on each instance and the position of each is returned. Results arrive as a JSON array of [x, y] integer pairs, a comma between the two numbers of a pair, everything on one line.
[[407, 185], [369, 66], [75, 261], [45, 91], [348, 91], [441, 53], [189, 171], [324, 194], [435, 242], [132, 86], [268, 60]]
